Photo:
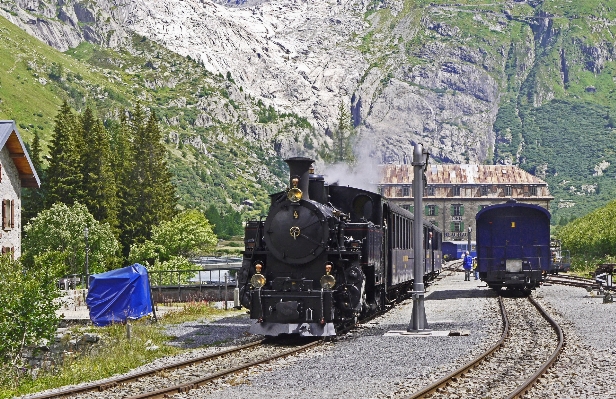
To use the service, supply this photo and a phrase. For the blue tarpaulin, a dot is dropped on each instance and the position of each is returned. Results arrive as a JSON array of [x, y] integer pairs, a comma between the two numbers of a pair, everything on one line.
[[118, 295]]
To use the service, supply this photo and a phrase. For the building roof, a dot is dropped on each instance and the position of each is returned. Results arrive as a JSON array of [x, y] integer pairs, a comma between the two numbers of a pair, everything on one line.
[[9, 138], [460, 174]]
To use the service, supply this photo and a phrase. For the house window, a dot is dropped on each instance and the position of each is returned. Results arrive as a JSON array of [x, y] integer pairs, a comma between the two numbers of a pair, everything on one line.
[[456, 191], [408, 207], [8, 214], [484, 191], [457, 210], [10, 251], [431, 210], [405, 191], [532, 190], [457, 227], [430, 191], [508, 191]]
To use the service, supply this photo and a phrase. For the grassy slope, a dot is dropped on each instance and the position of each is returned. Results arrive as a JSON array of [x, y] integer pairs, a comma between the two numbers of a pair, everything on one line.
[[571, 112], [35, 79]]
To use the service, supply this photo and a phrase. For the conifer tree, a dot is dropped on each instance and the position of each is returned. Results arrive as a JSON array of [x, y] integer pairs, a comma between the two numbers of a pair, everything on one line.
[[150, 190], [64, 173], [98, 179], [122, 159], [33, 198], [342, 137]]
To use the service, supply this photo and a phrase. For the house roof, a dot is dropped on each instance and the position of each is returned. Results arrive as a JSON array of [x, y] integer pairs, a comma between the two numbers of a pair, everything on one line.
[[461, 174], [10, 138]]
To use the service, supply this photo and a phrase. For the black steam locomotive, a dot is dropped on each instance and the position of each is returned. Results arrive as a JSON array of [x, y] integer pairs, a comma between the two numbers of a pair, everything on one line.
[[326, 256]]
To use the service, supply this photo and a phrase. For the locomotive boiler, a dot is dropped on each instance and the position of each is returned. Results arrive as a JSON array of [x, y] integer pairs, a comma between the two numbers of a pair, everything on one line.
[[326, 256]]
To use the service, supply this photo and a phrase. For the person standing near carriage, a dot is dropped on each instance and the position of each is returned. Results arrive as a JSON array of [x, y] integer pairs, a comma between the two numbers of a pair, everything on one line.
[[468, 266]]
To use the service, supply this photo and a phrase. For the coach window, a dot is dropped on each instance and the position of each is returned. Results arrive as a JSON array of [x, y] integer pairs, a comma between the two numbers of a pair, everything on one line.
[[532, 190], [508, 191]]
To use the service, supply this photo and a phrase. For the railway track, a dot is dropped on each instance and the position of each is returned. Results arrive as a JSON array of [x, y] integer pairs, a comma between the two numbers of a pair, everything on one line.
[[185, 375], [503, 370], [574, 281]]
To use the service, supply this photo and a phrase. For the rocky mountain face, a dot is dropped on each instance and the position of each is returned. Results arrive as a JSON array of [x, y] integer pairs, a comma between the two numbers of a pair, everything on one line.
[[408, 71]]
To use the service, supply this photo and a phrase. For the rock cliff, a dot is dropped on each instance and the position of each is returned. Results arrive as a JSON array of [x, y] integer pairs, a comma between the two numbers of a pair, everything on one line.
[[435, 74]]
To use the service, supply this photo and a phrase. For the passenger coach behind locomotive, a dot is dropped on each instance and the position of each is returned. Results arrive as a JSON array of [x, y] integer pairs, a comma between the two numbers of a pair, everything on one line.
[[513, 245], [319, 260]]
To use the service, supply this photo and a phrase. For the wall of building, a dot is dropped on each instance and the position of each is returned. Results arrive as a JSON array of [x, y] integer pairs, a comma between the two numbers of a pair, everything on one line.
[[469, 203], [10, 189]]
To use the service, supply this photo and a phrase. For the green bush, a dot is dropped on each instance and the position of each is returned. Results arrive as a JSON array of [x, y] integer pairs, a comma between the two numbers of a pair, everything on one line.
[[27, 315]]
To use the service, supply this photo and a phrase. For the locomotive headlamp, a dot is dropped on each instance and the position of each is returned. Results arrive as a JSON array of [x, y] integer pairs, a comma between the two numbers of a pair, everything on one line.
[[258, 280], [294, 194], [328, 281]]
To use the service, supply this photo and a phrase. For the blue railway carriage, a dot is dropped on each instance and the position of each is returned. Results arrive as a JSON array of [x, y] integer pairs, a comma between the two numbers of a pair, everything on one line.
[[513, 245]]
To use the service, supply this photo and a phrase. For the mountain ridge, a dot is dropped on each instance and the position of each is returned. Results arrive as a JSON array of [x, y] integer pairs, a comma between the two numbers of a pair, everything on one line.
[[408, 71]]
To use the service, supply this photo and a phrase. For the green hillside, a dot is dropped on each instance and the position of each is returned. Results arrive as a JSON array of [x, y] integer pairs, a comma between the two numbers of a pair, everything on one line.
[[554, 61], [222, 168]]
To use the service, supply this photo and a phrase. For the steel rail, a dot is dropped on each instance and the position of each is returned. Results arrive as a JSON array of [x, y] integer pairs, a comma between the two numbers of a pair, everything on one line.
[[165, 392], [523, 389], [468, 366], [102, 386]]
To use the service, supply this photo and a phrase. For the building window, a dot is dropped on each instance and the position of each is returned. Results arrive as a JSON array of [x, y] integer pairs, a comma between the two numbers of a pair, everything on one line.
[[430, 191], [431, 210], [408, 207], [508, 191], [532, 190], [457, 210], [406, 191], [457, 227], [10, 251], [8, 214], [484, 191], [456, 191]]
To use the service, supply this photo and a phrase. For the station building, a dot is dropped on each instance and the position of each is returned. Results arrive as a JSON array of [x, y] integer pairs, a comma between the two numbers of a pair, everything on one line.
[[16, 171], [454, 193]]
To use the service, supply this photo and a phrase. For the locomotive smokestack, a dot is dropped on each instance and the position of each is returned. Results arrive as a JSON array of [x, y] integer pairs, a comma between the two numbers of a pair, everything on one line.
[[299, 173]]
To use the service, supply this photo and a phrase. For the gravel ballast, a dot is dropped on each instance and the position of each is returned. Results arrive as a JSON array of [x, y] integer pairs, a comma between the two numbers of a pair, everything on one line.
[[368, 363]]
